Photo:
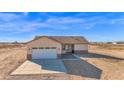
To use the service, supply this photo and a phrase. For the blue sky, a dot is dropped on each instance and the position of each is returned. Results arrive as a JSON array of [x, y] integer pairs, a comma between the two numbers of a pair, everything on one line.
[[95, 26]]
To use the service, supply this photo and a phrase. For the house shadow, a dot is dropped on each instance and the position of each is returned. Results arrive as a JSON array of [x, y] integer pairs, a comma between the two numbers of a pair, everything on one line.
[[72, 67], [96, 55], [68, 56], [82, 68]]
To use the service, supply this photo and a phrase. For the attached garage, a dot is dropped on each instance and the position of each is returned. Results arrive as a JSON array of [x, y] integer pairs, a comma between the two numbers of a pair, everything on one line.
[[44, 53]]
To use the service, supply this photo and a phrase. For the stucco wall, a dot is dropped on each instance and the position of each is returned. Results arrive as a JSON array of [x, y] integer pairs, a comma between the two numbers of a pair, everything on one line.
[[81, 47], [44, 42]]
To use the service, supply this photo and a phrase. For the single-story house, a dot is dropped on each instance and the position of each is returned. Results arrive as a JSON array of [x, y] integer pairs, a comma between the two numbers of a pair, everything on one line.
[[42, 47]]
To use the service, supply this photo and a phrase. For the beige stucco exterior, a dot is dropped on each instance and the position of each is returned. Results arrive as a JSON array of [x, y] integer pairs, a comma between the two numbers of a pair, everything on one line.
[[44, 42], [81, 47]]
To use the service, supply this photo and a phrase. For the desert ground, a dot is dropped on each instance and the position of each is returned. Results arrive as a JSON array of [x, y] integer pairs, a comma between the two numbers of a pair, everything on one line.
[[102, 62], [10, 59], [108, 58]]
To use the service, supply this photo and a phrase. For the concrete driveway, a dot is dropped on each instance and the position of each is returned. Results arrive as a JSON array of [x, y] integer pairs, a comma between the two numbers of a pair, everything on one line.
[[68, 57], [40, 66], [82, 68]]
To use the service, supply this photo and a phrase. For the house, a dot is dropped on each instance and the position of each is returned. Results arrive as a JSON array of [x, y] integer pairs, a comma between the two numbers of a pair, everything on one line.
[[114, 43], [42, 47]]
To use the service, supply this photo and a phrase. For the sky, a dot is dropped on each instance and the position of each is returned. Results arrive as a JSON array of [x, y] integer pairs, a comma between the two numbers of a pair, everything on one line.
[[94, 26]]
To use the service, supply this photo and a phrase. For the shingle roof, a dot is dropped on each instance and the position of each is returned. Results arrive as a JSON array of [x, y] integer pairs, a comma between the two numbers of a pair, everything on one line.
[[67, 39]]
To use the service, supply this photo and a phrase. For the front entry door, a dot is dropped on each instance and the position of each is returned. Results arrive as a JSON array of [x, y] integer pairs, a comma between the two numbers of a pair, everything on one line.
[[69, 48]]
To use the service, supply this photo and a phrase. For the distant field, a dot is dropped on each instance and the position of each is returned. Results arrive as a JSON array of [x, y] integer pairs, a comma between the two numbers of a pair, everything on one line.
[[108, 46], [108, 49], [10, 45]]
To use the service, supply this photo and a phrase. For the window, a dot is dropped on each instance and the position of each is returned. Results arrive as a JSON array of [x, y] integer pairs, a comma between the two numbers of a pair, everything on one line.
[[65, 47], [34, 48]]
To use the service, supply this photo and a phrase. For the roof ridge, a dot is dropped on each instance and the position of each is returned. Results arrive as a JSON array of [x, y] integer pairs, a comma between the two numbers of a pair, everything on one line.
[[65, 39]]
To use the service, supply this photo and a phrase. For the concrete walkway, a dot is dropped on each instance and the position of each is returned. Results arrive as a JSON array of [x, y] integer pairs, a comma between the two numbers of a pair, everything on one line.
[[40, 66]]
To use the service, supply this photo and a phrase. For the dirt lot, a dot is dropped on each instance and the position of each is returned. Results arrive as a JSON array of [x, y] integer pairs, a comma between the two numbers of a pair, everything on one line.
[[112, 67], [10, 59], [100, 63], [111, 50], [110, 61]]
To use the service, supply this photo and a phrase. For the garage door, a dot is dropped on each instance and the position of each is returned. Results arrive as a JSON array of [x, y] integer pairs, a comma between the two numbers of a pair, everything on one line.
[[44, 53]]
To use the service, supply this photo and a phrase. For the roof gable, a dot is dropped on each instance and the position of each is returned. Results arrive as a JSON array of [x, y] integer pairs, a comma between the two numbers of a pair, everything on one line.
[[38, 38]]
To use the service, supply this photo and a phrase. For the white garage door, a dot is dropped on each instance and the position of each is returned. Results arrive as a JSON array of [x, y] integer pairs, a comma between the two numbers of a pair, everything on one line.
[[44, 53]]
